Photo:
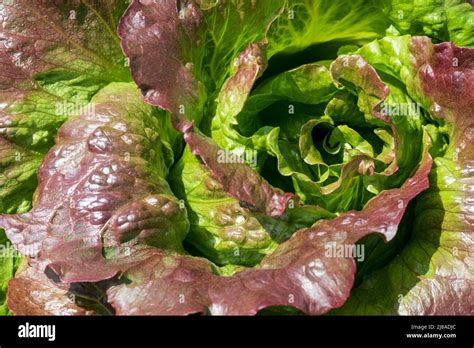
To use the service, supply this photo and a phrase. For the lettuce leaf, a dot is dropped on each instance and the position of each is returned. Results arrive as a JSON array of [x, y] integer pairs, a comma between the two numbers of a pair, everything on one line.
[[442, 20], [110, 230], [49, 69], [432, 274], [99, 154], [182, 52], [248, 65], [198, 46], [247, 188], [305, 23], [32, 292], [298, 273], [223, 230]]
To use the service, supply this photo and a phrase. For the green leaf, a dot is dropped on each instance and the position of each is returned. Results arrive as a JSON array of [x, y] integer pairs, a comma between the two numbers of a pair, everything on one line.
[[231, 26], [47, 73], [199, 50], [223, 230], [442, 20], [309, 84], [9, 262], [307, 22], [432, 274]]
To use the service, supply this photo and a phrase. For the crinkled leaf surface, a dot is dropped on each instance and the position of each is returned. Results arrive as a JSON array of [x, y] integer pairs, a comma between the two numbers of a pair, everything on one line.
[[167, 42], [443, 20], [100, 186], [298, 273], [50, 66], [102, 209], [105, 227], [223, 230], [31, 292], [179, 64], [433, 273]]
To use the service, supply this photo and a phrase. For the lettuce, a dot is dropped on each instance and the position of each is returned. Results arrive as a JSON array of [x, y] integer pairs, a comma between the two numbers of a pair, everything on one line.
[[49, 69], [291, 154], [432, 274]]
